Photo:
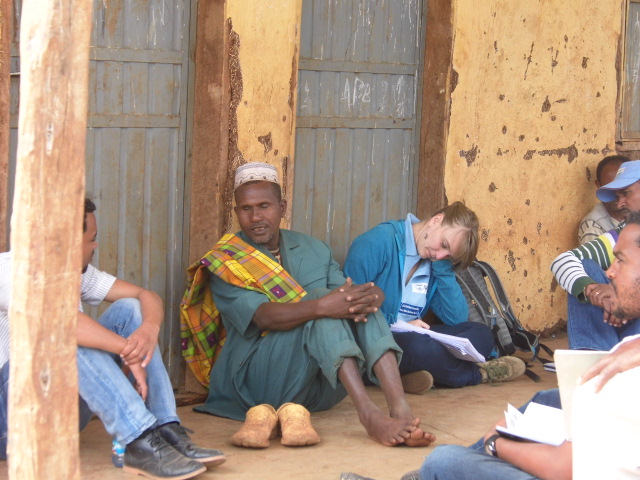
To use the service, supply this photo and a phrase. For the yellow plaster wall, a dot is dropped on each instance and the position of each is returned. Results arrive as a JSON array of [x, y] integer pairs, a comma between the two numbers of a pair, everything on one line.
[[269, 37], [532, 114]]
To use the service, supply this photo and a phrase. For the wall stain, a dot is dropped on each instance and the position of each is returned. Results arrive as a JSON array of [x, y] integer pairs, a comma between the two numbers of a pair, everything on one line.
[[546, 105], [504, 129], [470, 155], [492, 187], [529, 59], [571, 152], [554, 284], [509, 221], [606, 150], [562, 100], [554, 60], [539, 227], [525, 240], [266, 142], [521, 138], [589, 177], [454, 79], [527, 202], [584, 62], [593, 151], [512, 260], [501, 97], [485, 234]]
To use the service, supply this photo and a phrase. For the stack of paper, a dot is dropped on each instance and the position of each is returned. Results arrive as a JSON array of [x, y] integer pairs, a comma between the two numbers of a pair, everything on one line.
[[459, 347], [538, 423]]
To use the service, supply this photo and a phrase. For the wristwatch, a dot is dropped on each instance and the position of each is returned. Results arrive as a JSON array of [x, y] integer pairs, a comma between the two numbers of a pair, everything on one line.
[[490, 445]]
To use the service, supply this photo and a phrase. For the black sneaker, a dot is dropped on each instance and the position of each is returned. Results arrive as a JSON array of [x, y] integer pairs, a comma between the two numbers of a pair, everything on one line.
[[176, 435], [151, 456]]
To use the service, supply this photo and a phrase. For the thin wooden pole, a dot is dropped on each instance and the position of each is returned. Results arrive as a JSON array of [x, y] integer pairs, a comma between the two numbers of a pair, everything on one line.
[[46, 232], [6, 8]]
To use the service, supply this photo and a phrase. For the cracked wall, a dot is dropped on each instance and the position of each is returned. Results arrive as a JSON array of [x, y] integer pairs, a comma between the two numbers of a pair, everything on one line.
[[532, 114]]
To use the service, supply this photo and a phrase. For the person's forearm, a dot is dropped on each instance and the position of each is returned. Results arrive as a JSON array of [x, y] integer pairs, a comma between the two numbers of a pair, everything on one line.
[[91, 334], [151, 307], [540, 460], [285, 316]]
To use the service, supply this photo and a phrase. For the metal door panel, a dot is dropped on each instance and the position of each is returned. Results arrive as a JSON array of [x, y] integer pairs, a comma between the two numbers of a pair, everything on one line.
[[135, 154], [357, 125]]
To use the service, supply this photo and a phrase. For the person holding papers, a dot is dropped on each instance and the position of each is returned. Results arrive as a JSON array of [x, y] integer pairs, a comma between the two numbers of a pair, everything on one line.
[[413, 262], [605, 422]]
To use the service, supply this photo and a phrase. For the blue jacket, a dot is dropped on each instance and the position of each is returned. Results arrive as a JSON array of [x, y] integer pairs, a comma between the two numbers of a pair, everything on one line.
[[378, 256]]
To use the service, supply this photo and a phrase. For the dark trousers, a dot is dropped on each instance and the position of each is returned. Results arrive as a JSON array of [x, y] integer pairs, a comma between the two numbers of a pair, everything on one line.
[[420, 352]]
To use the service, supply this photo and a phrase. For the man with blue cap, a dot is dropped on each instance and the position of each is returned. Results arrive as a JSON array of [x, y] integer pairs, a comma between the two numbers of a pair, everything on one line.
[[591, 324]]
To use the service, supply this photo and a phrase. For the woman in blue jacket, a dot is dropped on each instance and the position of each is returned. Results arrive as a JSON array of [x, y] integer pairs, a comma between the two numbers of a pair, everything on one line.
[[413, 262]]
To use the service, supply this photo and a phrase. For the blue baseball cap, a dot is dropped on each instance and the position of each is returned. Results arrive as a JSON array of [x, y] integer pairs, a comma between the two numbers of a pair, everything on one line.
[[628, 174]]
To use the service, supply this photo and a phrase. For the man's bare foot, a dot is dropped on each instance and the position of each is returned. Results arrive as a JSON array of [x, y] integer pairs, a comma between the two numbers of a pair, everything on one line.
[[387, 430], [420, 438]]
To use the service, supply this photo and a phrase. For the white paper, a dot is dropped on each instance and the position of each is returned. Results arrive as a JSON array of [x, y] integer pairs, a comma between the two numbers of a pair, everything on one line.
[[459, 347], [539, 423]]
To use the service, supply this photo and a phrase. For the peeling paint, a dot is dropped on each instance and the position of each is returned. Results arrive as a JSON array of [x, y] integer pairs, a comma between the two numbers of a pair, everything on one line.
[[554, 284], [509, 221], [266, 141], [235, 156], [584, 62], [470, 155], [571, 152], [485, 234], [546, 105], [504, 129], [512, 260], [492, 187]]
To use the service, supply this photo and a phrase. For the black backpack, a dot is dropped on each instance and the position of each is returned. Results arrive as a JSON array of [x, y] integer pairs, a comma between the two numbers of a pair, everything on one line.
[[508, 332]]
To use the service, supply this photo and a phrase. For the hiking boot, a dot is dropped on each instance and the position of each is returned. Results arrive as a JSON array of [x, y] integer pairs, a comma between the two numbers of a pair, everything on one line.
[[417, 382], [501, 369], [176, 435], [151, 456]]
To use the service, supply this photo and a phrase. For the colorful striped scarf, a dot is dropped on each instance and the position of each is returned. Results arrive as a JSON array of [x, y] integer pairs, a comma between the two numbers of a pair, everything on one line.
[[238, 263]]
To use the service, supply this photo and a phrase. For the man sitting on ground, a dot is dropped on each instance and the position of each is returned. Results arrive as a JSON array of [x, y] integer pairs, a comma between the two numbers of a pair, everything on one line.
[[311, 349], [604, 216], [141, 416], [591, 323]]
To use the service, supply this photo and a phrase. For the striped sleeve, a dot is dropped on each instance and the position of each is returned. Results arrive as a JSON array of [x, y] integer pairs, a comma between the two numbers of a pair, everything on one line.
[[568, 268]]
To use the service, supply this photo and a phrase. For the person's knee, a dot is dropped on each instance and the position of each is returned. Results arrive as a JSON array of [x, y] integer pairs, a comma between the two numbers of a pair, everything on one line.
[[594, 270], [439, 463]]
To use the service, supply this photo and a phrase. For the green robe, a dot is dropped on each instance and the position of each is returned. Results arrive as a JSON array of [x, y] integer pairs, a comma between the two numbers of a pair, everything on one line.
[[299, 365]]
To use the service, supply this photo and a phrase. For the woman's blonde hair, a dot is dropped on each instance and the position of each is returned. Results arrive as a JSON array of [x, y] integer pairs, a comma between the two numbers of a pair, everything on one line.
[[459, 215]]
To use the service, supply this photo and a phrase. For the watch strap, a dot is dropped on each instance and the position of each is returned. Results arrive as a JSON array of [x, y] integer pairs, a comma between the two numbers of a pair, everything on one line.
[[490, 445]]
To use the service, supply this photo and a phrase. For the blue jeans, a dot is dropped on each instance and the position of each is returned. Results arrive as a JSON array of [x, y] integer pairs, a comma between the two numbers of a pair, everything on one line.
[[421, 352], [586, 329], [449, 462], [110, 394], [106, 391]]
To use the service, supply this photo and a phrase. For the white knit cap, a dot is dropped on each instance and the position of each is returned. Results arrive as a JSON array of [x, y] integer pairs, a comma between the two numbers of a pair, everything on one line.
[[255, 171]]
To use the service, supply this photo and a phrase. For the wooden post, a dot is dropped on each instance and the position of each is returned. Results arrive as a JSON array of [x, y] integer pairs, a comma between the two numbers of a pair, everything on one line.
[[46, 229], [6, 7]]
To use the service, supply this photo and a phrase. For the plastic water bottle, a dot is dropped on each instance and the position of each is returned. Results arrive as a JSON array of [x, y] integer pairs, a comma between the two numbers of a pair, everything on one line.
[[117, 453]]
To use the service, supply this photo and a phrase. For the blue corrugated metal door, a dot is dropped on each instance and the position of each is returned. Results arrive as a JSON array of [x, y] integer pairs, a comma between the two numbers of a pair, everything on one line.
[[357, 129], [135, 156]]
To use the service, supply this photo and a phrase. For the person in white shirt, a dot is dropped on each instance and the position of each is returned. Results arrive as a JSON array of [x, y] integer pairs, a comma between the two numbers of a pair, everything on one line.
[[141, 413]]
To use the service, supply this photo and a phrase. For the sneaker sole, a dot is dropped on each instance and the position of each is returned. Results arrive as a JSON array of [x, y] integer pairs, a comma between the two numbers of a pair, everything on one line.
[[184, 476], [417, 383]]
